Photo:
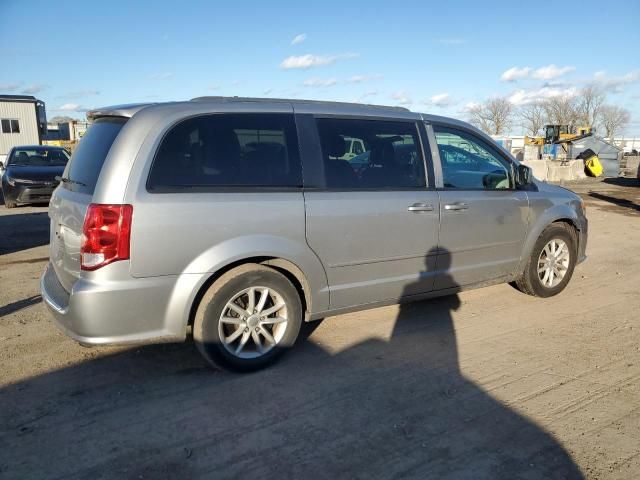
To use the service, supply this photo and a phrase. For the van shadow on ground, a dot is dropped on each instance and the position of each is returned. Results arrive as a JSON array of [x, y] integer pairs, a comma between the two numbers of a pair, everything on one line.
[[623, 181], [380, 409], [619, 202]]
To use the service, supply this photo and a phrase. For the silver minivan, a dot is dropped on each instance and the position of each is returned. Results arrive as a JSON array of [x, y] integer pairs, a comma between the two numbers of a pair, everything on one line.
[[235, 220]]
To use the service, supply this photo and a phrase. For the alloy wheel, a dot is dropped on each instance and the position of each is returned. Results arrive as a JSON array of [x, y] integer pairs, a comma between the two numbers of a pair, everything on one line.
[[253, 322]]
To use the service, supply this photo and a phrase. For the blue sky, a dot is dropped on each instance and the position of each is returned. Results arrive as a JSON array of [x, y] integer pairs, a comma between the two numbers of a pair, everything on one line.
[[436, 57]]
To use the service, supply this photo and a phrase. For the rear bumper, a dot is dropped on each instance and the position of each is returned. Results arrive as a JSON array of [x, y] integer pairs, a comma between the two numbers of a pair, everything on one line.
[[137, 311]]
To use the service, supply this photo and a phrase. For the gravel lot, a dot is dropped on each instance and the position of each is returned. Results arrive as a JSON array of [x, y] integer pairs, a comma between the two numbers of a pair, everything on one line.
[[485, 384]]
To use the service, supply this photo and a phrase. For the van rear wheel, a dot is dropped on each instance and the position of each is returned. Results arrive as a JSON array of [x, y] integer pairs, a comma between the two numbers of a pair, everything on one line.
[[551, 263], [247, 319]]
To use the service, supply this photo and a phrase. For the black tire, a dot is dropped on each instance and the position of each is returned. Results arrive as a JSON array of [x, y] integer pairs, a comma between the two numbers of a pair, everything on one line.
[[530, 283], [206, 326]]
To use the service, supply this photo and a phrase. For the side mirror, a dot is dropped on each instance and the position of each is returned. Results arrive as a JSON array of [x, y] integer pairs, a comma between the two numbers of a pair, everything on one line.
[[524, 175]]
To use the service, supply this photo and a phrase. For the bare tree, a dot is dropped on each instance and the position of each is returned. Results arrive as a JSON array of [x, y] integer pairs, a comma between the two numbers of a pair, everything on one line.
[[479, 118], [492, 116], [613, 119], [561, 110], [533, 117], [589, 103]]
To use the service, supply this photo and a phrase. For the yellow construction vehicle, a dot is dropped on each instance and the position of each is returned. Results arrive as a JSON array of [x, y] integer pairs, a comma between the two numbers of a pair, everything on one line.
[[533, 140], [565, 143], [563, 133], [557, 134]]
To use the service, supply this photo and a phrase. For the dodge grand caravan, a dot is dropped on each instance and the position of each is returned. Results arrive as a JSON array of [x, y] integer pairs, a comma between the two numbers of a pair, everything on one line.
[[238, 219]]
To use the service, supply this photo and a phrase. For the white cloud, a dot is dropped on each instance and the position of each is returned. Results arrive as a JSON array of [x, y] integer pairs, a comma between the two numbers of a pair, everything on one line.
[[363, 78], [161, 76], [552, 71], [515, 73], [80, 94], [524, 97], [452, 41], [558, 83], [616, 83], [548, 72], [309, 60], [469, 106], [402, 97], [358, 79], [299, 39], [9, 87], [31, 89], [213, 87], [441, 100], [69, 107], [320, 82], [368, 94], [72, 107]]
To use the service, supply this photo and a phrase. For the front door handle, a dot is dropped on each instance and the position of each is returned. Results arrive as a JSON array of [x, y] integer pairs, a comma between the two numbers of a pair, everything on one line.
[[420, 207], [456, 206]]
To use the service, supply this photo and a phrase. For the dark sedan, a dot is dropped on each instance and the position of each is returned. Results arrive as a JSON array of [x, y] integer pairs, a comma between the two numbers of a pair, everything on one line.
[[29, 174]]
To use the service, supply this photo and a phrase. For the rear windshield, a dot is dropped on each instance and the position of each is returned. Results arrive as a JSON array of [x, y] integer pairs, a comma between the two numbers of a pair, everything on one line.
[[87, 159], [38, 157]]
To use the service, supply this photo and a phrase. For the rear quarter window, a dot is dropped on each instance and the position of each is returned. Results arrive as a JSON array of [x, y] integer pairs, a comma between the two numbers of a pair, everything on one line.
[[88, 158], [228, 151]]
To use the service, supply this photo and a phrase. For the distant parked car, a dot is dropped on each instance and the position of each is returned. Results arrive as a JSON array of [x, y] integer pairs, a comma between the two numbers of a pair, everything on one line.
[[29, 175]]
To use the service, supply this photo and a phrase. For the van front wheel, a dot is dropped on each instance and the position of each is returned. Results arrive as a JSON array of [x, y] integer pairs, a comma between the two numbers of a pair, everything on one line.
[[247, 319], [551, 263]]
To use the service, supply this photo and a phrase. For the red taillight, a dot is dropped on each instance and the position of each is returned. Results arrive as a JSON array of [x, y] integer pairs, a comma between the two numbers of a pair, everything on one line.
[[105, 235]]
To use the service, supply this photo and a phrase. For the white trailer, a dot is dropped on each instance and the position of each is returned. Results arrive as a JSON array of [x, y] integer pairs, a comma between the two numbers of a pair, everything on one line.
[[22, 122]]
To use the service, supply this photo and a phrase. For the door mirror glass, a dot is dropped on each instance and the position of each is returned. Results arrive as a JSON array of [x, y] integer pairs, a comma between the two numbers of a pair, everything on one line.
[[524, 176]]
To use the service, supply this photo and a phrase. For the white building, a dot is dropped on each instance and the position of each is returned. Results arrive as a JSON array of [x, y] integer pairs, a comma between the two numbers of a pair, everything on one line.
[[77, 130], [628, 144], [72, 131], [22, 122]]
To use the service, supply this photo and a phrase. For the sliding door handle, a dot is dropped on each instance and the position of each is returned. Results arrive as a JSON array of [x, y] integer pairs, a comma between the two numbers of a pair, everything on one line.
[[456, 206], [420, 207]]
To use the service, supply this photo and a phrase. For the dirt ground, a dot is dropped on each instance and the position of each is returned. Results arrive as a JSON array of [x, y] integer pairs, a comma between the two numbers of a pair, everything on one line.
[[486, 384]]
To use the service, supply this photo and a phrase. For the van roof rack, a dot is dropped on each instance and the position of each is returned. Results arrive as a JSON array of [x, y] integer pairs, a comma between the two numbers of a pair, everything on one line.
[[295, 101]]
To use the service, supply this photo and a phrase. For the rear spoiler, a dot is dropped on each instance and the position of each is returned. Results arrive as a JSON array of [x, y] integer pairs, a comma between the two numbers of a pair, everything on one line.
[[127, 111]]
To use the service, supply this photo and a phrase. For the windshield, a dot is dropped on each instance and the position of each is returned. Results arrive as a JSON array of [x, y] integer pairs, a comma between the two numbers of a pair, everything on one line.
[[39, 157]]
